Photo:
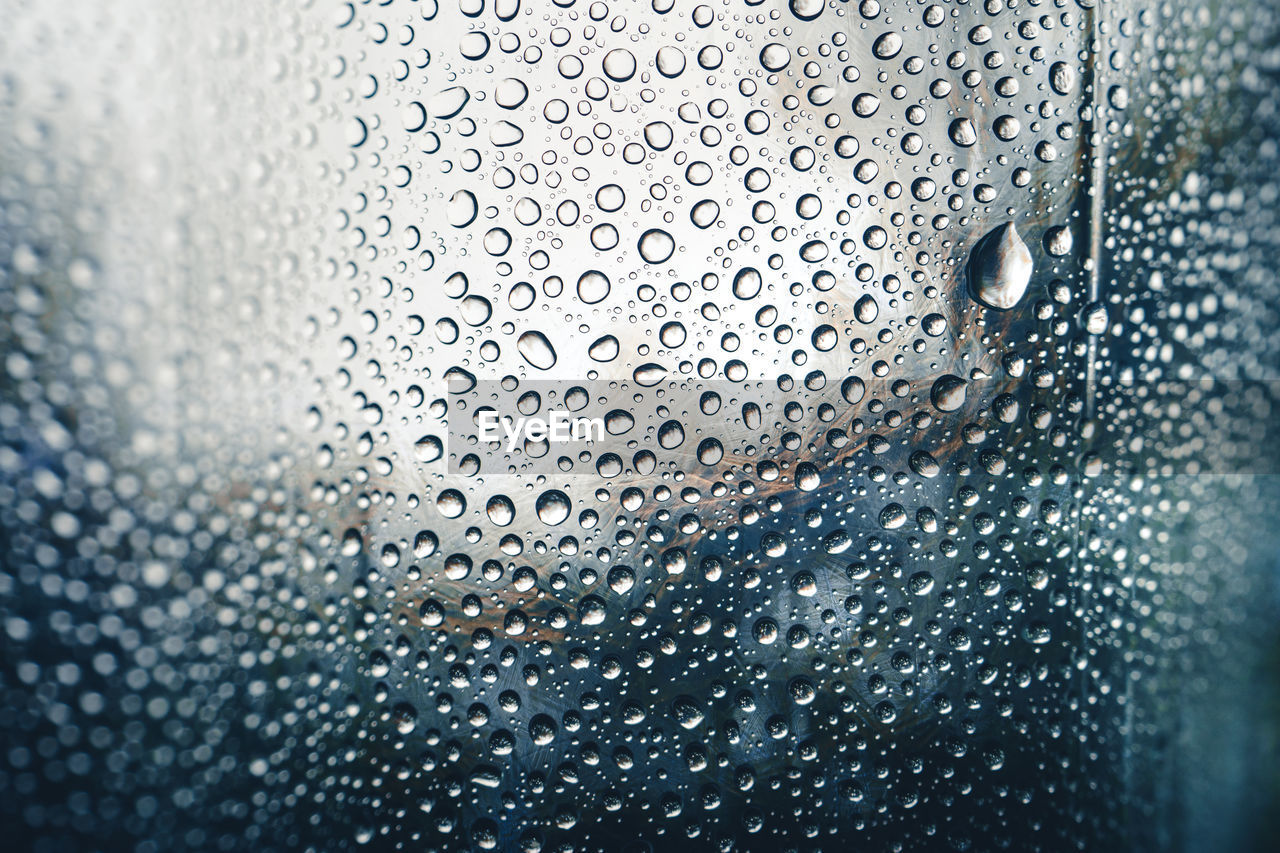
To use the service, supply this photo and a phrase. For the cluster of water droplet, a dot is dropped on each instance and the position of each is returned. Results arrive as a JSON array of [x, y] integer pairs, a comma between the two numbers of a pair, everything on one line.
[[671, 200], [904, 347]]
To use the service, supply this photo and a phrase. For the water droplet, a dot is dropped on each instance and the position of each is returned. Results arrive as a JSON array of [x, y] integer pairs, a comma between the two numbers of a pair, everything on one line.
[[924, 464], [475, 310], [537, 350], [765, 631], [1062, 77], [448, 103], [457, 567], [999, 268], [807, 10], [604, 349], [687, 712], [451, 503], [887, 46], [501, 510], [658, 135], [429, 448], [920, 583], [710, 451], [1057, 241], [619, 64], [866, 309], [648, 375], [670, 435], [670, 61], [552, 507], [807, 477], [948, 393], [672, 335], [510, 93], [962, 132], [504, 133], [593, 286], [893, 516], [462, 209], [1093, 318], [853, 389], [705, 213], [474, 45], [656, 246], [775, 57]]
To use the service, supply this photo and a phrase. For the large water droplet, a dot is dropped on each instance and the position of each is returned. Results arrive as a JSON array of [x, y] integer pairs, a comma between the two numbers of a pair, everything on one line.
[[619, 64], [462, 208], [893, 516], [604, 349], [656, 246], [962, 132], [593, 286], [948, 393], [537, 350], [866, 309], [1057, 240], [552, 507], [775, 57], [510, 93], [999, 268], [670, 61], [747, 283], [807, 10], [448, 103], [649, 374], [887, 46]]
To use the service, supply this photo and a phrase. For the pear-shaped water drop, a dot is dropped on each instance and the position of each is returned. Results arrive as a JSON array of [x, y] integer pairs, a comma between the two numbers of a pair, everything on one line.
[[999, 269]]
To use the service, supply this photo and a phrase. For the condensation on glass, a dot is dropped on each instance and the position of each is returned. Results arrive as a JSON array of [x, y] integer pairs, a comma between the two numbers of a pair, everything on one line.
[[932, 347]]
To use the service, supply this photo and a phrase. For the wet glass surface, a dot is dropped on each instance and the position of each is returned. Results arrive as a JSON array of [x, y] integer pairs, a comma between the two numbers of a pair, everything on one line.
[[587, 426]]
